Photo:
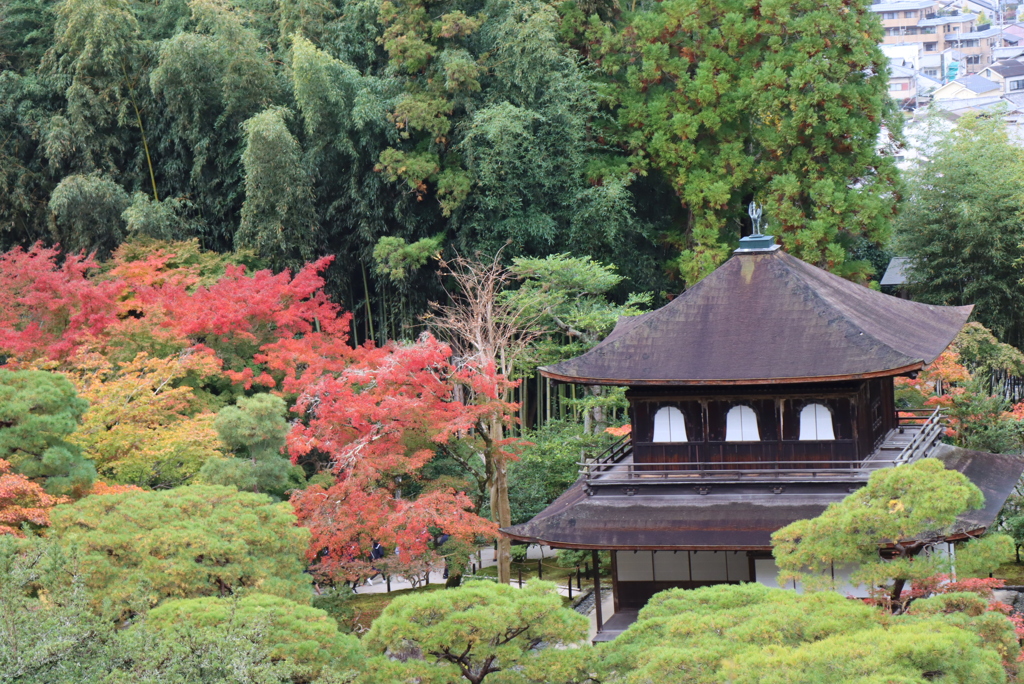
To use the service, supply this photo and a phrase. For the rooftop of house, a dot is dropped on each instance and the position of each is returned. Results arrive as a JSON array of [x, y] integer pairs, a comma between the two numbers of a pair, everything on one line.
[[903, 6], [765, 317], [942, 21], [1015, 99], [974, 35], [1008, 68], [1007, 51], [955, 108], [977, 84]]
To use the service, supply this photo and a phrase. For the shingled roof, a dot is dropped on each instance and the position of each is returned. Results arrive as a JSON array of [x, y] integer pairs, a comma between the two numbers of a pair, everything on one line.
[[768, 317]]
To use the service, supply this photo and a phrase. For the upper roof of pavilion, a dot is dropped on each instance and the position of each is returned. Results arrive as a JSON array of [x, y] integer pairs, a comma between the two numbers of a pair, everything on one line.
[[767, 317]]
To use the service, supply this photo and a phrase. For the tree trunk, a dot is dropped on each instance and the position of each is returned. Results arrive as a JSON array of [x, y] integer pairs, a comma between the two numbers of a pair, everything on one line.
[[501, 511], [897, 589], [600, 421]]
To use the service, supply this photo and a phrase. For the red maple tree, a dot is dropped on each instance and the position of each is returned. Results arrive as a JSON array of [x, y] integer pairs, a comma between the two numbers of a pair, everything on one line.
[[50, 307], [380, 420]]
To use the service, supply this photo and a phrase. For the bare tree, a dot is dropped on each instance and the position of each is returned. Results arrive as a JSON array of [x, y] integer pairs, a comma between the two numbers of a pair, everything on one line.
[[485, 329]]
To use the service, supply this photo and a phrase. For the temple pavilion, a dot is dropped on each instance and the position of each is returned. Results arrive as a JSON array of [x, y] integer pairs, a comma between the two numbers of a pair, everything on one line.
[[757, 397]]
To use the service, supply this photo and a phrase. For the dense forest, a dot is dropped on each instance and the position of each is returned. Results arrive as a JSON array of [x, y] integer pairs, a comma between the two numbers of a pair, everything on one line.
[[385, 133]]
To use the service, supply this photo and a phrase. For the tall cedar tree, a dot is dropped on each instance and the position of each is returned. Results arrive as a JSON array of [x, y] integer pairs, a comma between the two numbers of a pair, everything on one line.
[[781, 102]]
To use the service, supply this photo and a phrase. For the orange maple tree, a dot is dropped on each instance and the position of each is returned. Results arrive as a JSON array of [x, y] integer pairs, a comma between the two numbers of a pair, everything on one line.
[[380, 421], [23, 501]]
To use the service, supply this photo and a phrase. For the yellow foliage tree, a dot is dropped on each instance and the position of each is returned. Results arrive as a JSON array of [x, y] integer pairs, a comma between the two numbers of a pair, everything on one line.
[[145, 425]]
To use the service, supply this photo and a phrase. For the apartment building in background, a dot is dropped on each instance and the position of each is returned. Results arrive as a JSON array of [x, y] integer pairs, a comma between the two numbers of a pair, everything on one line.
[[938, 28]]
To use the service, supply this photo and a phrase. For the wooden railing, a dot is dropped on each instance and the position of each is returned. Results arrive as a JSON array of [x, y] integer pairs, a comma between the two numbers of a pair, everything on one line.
[[930, 427], [609, 457], [617, 473]]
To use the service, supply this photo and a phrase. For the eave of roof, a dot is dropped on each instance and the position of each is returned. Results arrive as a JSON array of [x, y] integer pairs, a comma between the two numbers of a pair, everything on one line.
[[768, 318], [942, 21], [901, 6]]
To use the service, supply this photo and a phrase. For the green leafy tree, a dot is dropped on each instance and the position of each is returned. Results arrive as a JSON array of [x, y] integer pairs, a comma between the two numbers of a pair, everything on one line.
[[571, 298], [905, 508], [963, 227], [395, 258], [984, 355], [255, 429], [780, 103], [87, 213], [99, 52], [982, 418], [751, 633], [306, 639], [277, 215], [206, 83], [548, 465], [167, 219], [478, 630], [38, 411], [144, 547], [50, 633]]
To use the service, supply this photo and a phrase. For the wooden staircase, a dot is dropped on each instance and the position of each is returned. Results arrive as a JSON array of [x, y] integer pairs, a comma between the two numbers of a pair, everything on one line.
[[918, 432]]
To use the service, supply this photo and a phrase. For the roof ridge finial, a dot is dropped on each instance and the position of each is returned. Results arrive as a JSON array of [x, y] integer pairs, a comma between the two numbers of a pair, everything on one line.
[[756, 211], [756, 241]]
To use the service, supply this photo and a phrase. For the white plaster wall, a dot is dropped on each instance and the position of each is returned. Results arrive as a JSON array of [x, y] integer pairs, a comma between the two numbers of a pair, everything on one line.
[[634, 566], [671, 566], [739, 566], [708, 566], [767, 573], [843, 585]]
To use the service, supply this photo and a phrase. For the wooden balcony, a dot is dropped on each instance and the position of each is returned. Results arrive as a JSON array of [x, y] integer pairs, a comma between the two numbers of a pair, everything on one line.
[[917, 432]]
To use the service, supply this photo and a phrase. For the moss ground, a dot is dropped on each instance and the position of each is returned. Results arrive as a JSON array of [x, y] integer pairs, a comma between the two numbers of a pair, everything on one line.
[[1012, 572]]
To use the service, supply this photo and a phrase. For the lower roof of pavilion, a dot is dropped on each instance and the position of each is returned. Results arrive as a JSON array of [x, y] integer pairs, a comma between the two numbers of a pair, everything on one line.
[[733, 517]]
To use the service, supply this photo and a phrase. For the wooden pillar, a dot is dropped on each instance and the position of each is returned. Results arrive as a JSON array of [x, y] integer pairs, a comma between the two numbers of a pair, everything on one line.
[[597, 588]]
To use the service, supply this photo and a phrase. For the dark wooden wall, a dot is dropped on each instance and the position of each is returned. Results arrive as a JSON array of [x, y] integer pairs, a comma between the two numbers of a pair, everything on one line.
[[862, 414]]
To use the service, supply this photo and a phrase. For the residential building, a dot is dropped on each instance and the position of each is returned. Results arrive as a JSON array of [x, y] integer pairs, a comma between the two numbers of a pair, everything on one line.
[[937, 28], [976, 46], [1009, 74], [1014, 30], [901, 19], [909, 86], [968, 87]]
